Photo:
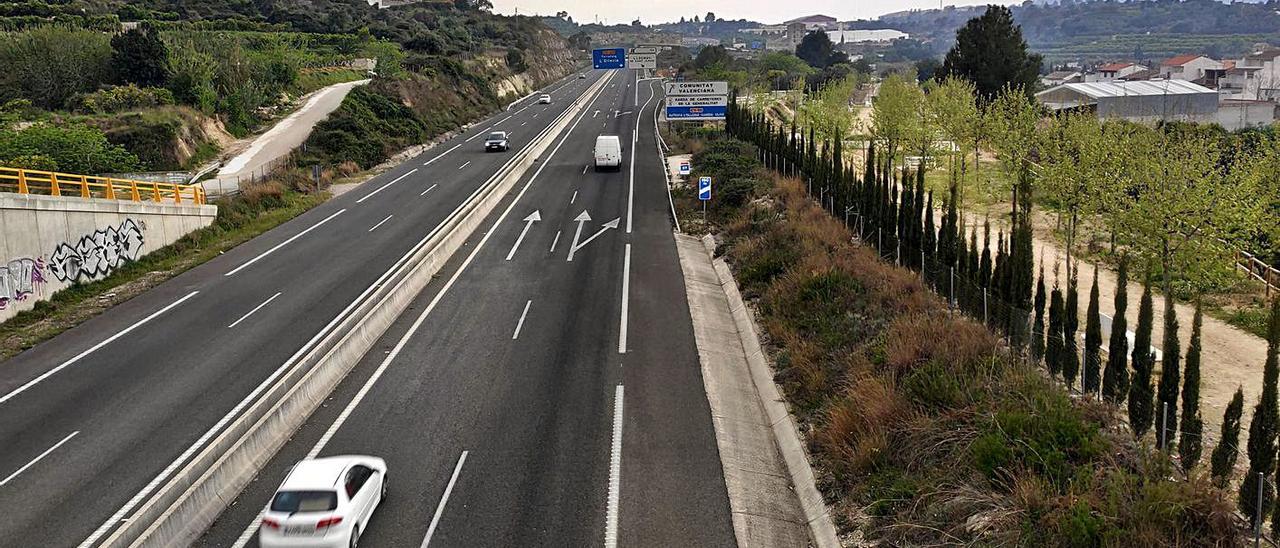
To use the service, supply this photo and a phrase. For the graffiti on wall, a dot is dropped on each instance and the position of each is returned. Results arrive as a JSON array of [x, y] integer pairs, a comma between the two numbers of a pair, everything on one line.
[[20, 279], [97, 254]]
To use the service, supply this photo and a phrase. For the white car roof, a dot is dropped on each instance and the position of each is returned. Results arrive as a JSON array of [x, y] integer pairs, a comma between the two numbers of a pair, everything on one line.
[[319, 474]]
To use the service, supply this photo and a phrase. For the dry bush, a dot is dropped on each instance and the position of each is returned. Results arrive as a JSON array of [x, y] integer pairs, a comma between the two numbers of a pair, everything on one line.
[[918, 338], [857, 425], [266, 192], [348, 168]]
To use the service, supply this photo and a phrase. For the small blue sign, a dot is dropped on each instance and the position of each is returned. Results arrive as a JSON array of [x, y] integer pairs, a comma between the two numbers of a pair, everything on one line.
[[609, 58], [684, 168], [704, 189], [756, 44], [697, 113]]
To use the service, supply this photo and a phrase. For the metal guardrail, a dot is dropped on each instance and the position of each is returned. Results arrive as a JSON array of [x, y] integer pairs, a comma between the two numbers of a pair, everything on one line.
[[50, 183]]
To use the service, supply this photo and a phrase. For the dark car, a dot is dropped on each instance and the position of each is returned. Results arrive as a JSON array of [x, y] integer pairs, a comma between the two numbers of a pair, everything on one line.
[[497, 141]]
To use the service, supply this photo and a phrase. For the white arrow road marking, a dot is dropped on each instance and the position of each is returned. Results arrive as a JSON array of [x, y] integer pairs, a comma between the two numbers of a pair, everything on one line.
[[528, 222], [582, 219]]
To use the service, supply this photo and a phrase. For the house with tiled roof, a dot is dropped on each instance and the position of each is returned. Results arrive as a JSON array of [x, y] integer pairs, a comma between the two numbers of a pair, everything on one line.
[[1255, 76], [1189, 67], [1112, 71]]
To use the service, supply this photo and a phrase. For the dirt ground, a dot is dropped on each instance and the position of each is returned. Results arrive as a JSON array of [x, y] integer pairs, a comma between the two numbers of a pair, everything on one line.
[[1230, 357]]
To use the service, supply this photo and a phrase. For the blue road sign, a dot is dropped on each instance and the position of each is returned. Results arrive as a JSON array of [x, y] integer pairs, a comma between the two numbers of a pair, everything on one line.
[[704, 188], [684, 168], [756, 44], [609, 58], [697, 113]]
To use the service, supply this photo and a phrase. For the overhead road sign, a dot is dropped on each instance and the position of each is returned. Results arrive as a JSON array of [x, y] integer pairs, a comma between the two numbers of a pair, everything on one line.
[[697, 88], [642, 61], [609, 58]]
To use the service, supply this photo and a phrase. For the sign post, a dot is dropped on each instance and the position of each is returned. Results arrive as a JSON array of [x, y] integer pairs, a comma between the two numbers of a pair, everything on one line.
[[704, 194]]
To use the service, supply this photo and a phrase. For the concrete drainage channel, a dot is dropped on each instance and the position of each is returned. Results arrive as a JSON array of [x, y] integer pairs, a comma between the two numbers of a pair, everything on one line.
[[192, 498]]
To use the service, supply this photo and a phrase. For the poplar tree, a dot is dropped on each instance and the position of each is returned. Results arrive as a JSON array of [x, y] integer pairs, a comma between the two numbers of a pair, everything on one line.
[[1223, 459], [1115, 379], [1192, 428], [1140, 390], [1262, 429], [1053, 348], [1093, 340]]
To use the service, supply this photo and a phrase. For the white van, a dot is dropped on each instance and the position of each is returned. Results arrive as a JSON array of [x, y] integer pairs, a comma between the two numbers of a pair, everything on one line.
[[608, 152]]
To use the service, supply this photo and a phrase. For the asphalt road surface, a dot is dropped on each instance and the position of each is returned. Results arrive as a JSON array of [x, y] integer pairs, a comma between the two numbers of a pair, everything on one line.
[[91, 420], [526, 399]]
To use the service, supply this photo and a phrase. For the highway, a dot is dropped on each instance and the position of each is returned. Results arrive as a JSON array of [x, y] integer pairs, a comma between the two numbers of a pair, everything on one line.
[[96, 417], [498, 399]]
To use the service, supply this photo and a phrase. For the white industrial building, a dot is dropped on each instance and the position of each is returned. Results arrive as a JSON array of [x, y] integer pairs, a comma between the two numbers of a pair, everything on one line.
[[1158, 100]]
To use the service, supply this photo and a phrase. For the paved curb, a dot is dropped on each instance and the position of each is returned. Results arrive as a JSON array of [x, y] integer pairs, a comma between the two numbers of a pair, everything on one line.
[[822, 530]]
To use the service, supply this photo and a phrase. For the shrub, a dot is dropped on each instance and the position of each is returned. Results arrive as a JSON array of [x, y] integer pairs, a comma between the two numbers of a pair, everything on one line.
[[50, 64], [366, 129], [77, 149], [120, 98]]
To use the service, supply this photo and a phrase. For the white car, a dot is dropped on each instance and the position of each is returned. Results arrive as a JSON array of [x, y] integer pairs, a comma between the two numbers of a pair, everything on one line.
[[324, 503], [544, 100]]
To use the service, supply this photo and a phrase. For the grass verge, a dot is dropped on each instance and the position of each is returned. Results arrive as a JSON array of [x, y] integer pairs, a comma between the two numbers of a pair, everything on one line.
[[240, 219], [922, 428]]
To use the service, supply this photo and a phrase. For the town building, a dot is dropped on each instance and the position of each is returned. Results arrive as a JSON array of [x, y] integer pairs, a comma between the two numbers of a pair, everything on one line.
[[1255, 77], [1147, 102], [1059, 77], [1111, 72], [1190, 67]]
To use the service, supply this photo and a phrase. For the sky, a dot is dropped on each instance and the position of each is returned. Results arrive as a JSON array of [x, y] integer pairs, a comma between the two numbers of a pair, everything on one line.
[[765, 11]]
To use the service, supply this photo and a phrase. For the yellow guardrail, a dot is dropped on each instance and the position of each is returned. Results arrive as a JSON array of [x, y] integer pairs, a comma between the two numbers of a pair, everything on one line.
[[49, 183]]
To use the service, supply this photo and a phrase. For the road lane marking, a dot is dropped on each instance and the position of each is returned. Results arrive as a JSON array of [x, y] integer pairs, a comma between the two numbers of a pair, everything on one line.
[[429, 162], [433, 187], [380, 223], [520, 323], [473, 137], [635, 138], [384, 187], [528, 223], [495, 124], [574, 197], [38, 459], [404, 340], [255, 309], [555, 241], [94, 348], [615, 473], [435, 520], [523, 123], [282, 244], [465, 165], [584, 169], [626, 300]]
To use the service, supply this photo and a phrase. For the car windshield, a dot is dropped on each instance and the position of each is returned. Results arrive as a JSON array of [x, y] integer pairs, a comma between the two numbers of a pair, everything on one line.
[[497, 136], [304, 501]]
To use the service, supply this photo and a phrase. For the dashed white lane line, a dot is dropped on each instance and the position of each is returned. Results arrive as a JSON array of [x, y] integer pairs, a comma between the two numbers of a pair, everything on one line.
[[384, 187], [626, 300], [584, 169], [94, 348], [435, 520], [463, 166], [33, 462], [615, 473], [573, 198], [473, 137], [282, 244], [380, 223], [555, 241], [523, 123], [432, 187], [520, 323], [431, 161], [255, 309]]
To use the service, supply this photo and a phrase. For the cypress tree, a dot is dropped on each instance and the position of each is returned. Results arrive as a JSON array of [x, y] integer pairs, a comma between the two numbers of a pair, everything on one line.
[[1189, 443], [929, 241], [1093, 340], [1115, 379], [1169, 378], [1037, 332], [984, 262], [1071, 324], [1053, 350], [1140, 390], [1262, 428], [1223, 459]]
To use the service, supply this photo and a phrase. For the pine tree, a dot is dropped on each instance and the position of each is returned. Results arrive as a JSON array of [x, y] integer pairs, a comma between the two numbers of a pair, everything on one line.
[[1053, 348], [1189, 443], [1093, 340], [1263, 428], [1223, 460], [1037, 332], [1115, 379], [1140, 390], [1070, 324], [1170, 377]]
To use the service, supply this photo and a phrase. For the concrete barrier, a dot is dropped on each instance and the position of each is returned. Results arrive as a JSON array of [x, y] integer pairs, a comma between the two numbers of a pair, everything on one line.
[[48, 243], [181, 509]]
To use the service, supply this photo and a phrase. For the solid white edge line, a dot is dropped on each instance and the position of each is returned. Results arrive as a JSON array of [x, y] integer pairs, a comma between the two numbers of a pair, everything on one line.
[[380, 223], [282, 244], [431, 161], [384, 187], [615, 473], [626, 301], [93, 349], [417, 324], [520, 323], [255, 309], [433, 187], [38, 459], [435, 520]]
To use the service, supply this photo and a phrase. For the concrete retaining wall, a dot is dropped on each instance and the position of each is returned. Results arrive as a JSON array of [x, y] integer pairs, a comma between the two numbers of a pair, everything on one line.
[[48, 243]]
